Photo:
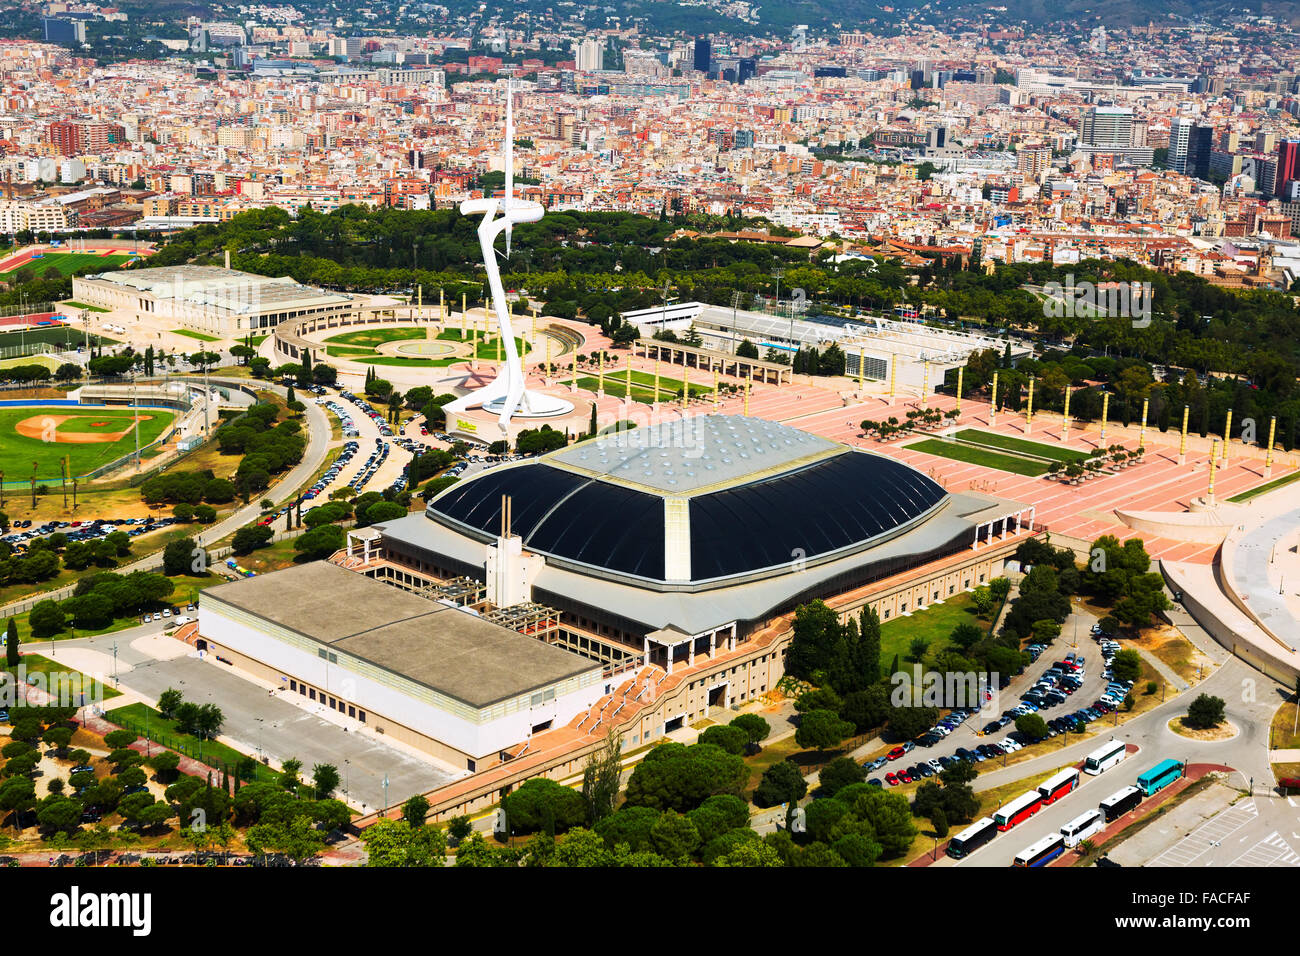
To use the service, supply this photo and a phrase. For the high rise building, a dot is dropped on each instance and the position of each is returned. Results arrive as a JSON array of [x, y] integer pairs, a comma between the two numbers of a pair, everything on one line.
[[1180, 135], [1288, 165], [1200, 144], [590, 55], [703, 54], [1107, 126], [62, 30]]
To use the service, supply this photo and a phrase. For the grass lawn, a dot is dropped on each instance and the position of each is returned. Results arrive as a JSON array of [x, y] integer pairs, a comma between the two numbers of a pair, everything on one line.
[[73, 304], [619, 389], [1280, 736], [164, 731], [1177, 652], [18, 452], [257, 340], [69, 262], [1022, 445], [933, 624], [1275, 483], [196, 335], [978, 456], [369, 338], [64, 683]]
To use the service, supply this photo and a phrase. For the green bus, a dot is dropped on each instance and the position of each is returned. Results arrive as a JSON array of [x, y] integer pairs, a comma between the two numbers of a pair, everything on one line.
[[1160, 776]]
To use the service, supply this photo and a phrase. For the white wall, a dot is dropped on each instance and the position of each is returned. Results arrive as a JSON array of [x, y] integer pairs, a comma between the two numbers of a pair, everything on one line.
[[478, 738]]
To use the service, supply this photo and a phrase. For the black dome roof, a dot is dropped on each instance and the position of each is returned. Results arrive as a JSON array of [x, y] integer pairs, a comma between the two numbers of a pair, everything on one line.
[[767, 523]]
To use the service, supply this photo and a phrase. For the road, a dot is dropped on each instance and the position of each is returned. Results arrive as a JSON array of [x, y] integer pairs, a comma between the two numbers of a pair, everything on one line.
[[1248, 709]]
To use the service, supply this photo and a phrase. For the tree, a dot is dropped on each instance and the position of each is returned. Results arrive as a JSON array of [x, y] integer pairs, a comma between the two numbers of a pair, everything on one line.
[[398, 843], [184, 556], [939, 821], [1204, 712], [251, 537], [1127, 665], [755, 727], [166, 763], [731, 739], [838, 774], [11, 644], [543, 804], [821, 730], [1032, 726], [415, 810], [168, 701], [781, 783], [600, 777], [46, 619], [326, 778], [673, 776]]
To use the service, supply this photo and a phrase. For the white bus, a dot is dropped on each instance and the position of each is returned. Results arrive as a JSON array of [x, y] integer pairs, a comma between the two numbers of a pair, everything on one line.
[[1041, 853], [1105, 757], [1082, 827]]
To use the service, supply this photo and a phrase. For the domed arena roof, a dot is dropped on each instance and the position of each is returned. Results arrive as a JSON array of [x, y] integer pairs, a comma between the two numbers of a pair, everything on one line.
[[698, 502]]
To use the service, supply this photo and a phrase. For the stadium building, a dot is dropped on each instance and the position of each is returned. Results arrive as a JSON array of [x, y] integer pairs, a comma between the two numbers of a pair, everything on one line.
[[638, 581], [220, 302]]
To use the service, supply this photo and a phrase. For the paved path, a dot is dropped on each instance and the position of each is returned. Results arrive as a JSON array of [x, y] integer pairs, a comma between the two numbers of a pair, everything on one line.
[[1163, 669]]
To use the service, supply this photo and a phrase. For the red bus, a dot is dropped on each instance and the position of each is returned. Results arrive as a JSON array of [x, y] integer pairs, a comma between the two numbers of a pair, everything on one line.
[[1018, 810], [1059, 784]]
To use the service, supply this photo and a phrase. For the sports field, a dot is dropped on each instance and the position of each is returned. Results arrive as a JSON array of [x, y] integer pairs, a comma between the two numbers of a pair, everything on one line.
[[65, 336], [65, 262], [90, 437]]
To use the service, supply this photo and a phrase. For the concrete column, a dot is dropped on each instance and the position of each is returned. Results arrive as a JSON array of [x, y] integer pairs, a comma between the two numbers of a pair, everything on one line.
[[669, 648], [366, 545], [713, 644], [690, 653], [1017, 522]]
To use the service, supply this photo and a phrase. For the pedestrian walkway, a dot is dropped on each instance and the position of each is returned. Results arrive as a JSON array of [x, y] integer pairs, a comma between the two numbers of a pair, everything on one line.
[[1163, 670]]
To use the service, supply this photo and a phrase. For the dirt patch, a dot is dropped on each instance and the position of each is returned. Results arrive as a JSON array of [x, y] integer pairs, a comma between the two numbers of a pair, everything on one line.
[[1225, 731], [41, 426]]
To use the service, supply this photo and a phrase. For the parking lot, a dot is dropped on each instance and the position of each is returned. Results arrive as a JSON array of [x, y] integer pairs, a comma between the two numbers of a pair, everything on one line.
[[972, 735]]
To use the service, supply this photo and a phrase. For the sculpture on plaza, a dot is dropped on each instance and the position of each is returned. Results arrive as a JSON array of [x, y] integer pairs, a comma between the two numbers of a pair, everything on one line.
[[506, 396]]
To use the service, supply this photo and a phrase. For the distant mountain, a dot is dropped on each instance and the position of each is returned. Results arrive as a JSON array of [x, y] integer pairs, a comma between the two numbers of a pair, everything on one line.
[[888, 16]]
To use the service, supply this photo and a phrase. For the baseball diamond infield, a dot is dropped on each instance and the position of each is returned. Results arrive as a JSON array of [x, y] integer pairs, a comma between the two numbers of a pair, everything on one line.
[[91, 437]]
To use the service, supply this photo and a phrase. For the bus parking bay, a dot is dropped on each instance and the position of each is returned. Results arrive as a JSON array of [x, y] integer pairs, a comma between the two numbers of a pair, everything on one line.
[[1048, 821]]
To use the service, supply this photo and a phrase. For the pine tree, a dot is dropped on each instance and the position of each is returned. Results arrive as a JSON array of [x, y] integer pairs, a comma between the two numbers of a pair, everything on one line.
[[869, 644], [593, 418], [11, 644]]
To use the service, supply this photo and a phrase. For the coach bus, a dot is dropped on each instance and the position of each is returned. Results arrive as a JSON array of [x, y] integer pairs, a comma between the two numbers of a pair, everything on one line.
[[1059, 784], [1082, 827], [1105, 757], [972, 838], [1120, 802], [1041, 853], [1018, 810], [1160, 776]]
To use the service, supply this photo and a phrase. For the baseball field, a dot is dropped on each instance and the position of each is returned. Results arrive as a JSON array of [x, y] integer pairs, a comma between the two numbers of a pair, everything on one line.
[[90, 437]]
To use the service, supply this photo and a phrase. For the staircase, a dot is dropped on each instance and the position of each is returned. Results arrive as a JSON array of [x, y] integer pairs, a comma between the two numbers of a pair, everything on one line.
[[620, 705]]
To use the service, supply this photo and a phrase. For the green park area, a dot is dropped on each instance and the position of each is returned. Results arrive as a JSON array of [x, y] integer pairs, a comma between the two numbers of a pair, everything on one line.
[[91, 438], [149, 723], [974, 455], [190, 333], [65, 684], [69, 262], [1021, 446], [934, 625]]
